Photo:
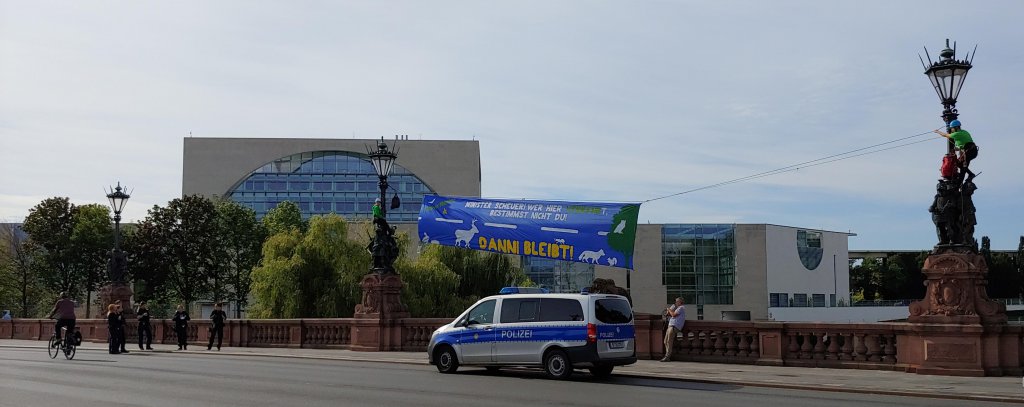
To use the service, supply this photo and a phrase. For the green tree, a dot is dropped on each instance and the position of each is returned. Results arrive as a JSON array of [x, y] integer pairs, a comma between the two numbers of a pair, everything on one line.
[[429, 285], [50, 225], [284, 216], [315, 273], [1004, 280], [180, 241], [480, 273], [21, 286], [242, 238], [92, 237], [149, 258]]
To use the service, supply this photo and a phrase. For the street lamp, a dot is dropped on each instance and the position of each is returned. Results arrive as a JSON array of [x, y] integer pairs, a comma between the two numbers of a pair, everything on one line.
[[383, 162], [947, 76], [117, 198]]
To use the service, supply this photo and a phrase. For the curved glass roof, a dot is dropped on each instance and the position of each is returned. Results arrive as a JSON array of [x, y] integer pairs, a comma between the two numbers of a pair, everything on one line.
[[322, 182]]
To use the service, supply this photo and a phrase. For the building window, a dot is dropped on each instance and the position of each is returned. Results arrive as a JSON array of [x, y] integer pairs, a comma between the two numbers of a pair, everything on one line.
[[800, 300], [832, 300], [818, 300], [778, 300], [808, 247], [323, 182], [558, 276], [699, 262]]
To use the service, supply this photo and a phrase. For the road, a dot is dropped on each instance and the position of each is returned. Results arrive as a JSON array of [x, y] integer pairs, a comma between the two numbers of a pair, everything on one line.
[[28, 377]]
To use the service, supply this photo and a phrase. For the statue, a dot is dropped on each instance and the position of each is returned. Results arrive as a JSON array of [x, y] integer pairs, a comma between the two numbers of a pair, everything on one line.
[[383, 245], [117, 265]]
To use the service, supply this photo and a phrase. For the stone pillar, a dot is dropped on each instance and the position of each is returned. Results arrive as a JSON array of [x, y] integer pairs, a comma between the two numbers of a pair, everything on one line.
[[112, 292], [376, 327], [945, 334]]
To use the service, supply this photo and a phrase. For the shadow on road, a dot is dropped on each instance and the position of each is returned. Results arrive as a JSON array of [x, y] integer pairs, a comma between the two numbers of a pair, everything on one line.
[[534, 374]]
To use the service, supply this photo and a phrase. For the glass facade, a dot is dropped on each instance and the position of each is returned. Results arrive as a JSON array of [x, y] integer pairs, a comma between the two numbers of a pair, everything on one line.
[[699, 262], [558, 276], [322, 182]]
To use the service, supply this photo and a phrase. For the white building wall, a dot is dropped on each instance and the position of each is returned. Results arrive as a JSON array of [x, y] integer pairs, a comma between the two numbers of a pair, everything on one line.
[[786, 274]]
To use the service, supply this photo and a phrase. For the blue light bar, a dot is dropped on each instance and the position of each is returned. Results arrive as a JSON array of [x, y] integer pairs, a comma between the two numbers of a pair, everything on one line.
[[523, 290]]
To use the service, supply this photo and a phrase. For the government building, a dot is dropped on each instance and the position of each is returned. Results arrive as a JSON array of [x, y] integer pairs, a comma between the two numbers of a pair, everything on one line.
[[722, 271]]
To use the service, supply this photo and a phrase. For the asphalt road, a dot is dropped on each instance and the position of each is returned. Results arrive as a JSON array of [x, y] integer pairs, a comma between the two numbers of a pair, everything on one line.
[[28, 377]]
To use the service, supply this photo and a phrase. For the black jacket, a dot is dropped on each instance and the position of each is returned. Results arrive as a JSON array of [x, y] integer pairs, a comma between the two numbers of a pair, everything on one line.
[[181, 319], [143, 316], [218, 318]]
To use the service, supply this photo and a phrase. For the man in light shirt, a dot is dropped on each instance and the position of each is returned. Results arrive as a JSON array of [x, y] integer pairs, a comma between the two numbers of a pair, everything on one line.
[[677, 316]]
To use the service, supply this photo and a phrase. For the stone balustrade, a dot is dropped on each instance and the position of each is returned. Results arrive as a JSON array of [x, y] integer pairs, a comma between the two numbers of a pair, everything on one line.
[[924, 348]]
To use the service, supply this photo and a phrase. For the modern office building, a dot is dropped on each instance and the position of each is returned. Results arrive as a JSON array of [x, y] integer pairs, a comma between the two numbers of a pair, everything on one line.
[[327, 175], [720, 270], [735, 271]]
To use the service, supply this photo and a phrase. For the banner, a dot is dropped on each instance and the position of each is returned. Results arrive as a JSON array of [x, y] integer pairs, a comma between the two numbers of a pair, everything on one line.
[[587, 232]]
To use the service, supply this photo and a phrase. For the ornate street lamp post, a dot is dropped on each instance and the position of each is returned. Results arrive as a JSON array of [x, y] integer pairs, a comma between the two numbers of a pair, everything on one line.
[[116, 289], [382, 287], [947, 76]]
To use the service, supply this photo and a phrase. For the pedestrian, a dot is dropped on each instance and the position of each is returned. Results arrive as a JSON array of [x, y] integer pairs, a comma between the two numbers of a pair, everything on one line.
[[112, 335], [964, 144], [181, 327], [7, 315], [677, 316], [145, 329], [122, 326], [218, 317]]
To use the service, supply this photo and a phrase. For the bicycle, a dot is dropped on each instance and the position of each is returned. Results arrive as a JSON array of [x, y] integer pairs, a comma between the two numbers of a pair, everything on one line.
[[64, 345]]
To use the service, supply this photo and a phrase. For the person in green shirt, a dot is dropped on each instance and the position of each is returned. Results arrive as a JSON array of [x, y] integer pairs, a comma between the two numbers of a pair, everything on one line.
[[377, 212], [964, 143]]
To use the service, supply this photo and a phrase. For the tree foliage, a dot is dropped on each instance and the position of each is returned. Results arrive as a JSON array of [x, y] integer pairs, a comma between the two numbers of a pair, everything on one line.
[[21, 285], [309, 274], [286, 215], [50, 225], [241, 238]]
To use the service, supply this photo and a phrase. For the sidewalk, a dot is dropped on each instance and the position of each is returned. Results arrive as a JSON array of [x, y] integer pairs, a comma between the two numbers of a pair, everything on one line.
[[1002, 389]]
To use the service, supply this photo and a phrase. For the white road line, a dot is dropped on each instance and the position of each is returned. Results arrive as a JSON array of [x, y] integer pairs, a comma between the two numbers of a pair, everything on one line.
[[501, 225], [449, 220]]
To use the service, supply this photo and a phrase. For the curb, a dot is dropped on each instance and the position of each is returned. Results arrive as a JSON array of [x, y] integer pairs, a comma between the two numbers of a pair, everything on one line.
[[660, 376]]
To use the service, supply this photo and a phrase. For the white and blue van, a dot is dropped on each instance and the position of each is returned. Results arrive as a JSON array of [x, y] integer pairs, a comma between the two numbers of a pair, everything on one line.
[[558, 332]]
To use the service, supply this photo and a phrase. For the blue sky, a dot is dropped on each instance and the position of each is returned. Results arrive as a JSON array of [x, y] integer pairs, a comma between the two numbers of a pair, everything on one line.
[[573, 100]]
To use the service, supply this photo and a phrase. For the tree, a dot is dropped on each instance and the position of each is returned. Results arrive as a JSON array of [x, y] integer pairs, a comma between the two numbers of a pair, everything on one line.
[[284, 216], [481, 273], [91, 238], [1004, 280], [21, 286], [149, 258], [242, 238], [50, 225], [309, 274], [180, 241], [429, 285]]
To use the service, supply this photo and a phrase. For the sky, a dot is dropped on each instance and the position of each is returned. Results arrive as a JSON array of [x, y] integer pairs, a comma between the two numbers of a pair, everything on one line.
[[619, 101]]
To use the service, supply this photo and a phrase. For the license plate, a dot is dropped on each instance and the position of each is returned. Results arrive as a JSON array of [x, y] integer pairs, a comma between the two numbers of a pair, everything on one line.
[[616, 344]]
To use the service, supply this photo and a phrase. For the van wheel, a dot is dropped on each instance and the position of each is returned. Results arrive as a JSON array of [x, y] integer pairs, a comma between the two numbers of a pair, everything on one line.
[[601, 372], [557, 365], [447, 361]]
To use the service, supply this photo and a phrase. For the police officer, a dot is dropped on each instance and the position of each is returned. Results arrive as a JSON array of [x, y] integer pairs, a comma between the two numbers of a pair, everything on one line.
[[145, 330], [121, 326], [181, 319], [218, 317]]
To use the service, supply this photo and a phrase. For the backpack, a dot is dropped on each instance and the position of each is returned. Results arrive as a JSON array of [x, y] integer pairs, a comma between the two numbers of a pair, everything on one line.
[[948, 169]]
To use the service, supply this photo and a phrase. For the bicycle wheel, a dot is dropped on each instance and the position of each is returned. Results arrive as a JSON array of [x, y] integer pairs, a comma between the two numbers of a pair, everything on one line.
[[69, 351], [51, 347]]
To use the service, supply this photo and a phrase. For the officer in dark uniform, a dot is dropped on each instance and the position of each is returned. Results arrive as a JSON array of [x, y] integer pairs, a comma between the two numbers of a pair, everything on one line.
[[121, 326], [218, 317], [181, 319], [145, 329]]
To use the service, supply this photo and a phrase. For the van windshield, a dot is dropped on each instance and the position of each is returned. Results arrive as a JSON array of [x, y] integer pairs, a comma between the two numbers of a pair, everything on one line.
[[613, 311]]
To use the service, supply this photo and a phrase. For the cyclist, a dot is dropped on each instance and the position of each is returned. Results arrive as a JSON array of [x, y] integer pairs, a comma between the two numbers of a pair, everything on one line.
[[64, 309]]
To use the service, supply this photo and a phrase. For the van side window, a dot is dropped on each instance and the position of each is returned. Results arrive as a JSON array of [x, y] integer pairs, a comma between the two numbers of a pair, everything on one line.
[[613, 311], [482, 314], [560, 309], [519, 310]]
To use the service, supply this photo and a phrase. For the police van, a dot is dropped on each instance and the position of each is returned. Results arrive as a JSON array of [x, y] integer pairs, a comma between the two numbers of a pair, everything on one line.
[[558, 332]]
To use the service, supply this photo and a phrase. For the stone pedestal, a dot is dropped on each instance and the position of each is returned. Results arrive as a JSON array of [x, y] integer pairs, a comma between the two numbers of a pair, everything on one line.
[[376, 327], [950, 326], [112, 292], [956, 290]]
